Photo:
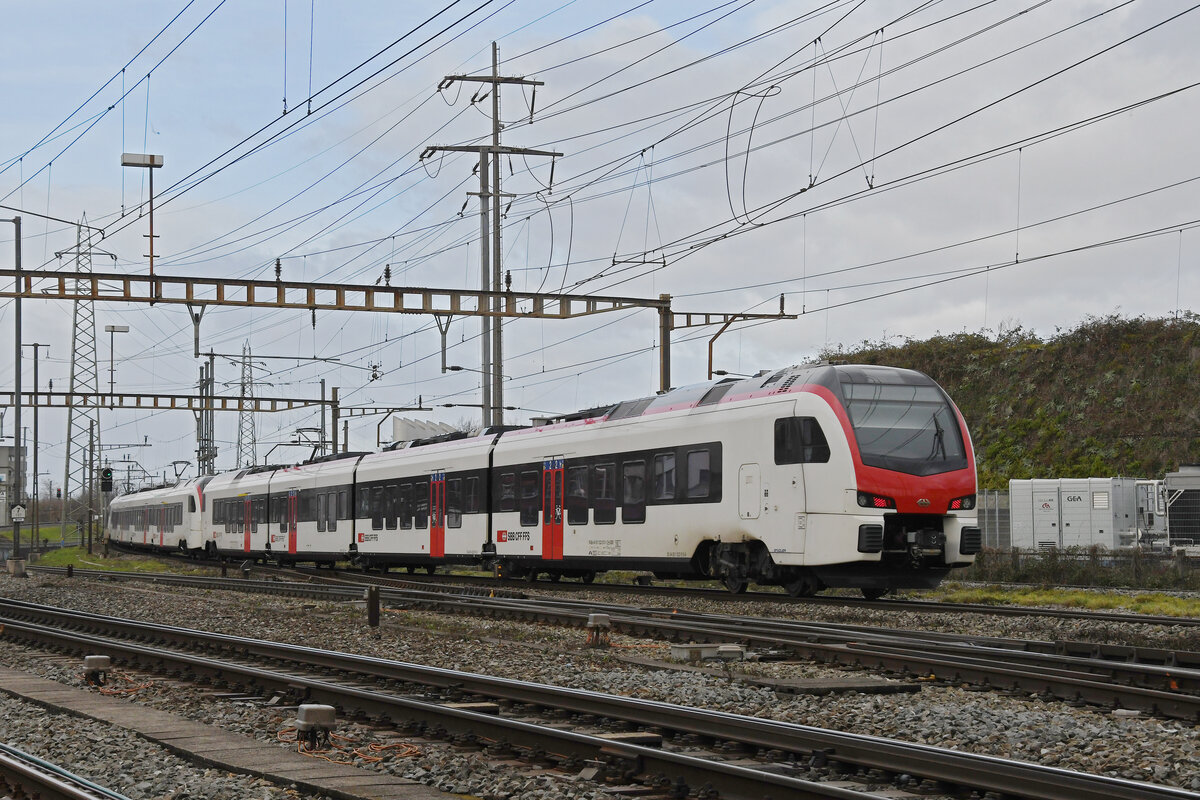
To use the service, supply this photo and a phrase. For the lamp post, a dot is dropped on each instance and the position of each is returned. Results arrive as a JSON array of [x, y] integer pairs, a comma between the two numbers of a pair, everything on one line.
[[111, 330], [150, 162]]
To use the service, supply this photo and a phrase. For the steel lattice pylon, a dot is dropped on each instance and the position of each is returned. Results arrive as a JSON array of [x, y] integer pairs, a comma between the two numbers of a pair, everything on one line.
[[246, 455], [84, 378]]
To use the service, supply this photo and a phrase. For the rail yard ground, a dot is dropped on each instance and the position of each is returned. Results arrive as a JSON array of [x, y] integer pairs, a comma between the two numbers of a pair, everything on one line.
[[1003, 724]]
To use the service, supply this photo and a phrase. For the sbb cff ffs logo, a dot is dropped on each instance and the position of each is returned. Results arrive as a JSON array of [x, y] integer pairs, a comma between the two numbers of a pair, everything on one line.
[[106, 479]]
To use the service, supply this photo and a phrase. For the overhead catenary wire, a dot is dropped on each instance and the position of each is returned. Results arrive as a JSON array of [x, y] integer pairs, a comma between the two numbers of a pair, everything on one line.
[[572, 200]]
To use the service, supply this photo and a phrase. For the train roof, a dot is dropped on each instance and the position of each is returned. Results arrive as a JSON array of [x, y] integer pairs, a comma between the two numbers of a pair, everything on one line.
[[729, 389], [796, 378]]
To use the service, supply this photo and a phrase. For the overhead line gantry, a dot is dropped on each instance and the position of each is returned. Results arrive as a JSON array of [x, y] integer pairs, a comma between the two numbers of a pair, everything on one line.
[[201, 293]]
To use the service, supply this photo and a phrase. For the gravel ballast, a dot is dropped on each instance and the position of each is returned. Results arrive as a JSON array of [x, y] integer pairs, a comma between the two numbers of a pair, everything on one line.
[[1020, 727]]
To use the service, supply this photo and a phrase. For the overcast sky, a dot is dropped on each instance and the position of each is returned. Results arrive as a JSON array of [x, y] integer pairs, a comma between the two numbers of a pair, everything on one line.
[[893, 169]]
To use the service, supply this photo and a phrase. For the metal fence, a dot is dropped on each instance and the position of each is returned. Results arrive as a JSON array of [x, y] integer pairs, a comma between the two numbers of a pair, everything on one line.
[[994, 519], [1091, 566]]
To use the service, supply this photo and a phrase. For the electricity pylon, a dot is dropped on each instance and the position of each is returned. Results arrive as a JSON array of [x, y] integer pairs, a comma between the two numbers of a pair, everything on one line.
[[246, 455]]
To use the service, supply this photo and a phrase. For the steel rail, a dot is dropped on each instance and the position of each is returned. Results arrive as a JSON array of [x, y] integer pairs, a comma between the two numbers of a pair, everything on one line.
[[25, 775], [1149, 667], [661, 768], [1068, 678], [911, 655], [986, 773], [891, 604]]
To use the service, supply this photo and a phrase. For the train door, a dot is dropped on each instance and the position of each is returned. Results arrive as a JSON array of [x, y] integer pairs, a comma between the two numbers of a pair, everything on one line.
[[247, 520], [552, 508], [293, 511], [749, 491], [437, 514], [1046, 531]]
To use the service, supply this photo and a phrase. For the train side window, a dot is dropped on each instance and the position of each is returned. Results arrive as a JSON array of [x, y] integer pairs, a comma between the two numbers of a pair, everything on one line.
[[364, 503], [473, 502], [454, 503], [191, 505], [577, 496], [633, 491], [698, 474], [321, 499], [664, 476], [406, 507], [531, 498], [343, 504], [376, 508], [604, 495], [800, 440], [331, 511], [507, 492], [389, 506], [421, 496]]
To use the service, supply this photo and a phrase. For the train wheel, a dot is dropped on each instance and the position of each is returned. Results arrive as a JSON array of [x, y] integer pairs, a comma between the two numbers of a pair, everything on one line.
[[588, 576], [735, 585], [411, 569], [874, 592], [531, 576], [804, 586], [554, 576], [430, 569]]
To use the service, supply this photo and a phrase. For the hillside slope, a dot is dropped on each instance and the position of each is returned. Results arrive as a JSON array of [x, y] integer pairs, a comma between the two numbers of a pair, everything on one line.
[[1110, 397]]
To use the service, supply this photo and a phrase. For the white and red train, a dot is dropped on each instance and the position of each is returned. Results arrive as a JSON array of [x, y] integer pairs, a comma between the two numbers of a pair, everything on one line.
[[809, 477]]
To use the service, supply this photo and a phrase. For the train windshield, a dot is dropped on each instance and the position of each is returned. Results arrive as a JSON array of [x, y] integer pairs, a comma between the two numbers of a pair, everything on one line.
[[904, 427]]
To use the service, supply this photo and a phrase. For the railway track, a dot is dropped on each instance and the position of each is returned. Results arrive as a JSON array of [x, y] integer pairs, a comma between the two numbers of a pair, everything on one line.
[[825, 601], [702, 751], [522, 586], [25, 776], [1150, 680]]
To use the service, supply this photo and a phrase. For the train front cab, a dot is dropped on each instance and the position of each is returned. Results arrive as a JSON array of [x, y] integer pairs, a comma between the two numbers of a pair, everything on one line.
[[913, 500], [870, 484]]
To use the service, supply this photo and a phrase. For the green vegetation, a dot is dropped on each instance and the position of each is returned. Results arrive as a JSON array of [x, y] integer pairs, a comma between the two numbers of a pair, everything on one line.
[[78, 557], [1149, 603], [48, 531], [1109, 397]]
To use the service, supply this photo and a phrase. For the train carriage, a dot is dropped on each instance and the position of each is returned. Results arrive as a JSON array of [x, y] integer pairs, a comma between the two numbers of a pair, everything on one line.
[[423, 504], [311, 506], [235, 515], [162, 518]]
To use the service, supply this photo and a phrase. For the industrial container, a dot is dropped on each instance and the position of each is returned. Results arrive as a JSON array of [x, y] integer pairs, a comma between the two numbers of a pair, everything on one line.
[[1074, 512]]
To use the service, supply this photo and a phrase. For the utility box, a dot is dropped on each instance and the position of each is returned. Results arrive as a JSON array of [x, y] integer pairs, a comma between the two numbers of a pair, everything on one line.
[[1056, 513], [1182, 492]]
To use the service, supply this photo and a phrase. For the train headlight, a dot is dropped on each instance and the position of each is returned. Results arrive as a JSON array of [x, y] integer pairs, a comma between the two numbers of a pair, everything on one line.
[[964, 503], [868, 500]]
